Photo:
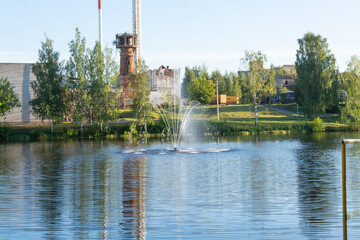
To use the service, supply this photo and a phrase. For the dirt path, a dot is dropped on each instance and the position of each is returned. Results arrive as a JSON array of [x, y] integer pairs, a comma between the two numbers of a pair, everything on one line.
[[282, 110]]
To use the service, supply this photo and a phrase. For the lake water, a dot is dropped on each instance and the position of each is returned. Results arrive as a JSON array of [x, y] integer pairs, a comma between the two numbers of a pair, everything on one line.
[[264, 187]]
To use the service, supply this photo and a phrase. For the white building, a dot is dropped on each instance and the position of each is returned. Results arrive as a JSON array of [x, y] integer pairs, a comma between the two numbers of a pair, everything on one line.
[[20, 75], [165, 85]]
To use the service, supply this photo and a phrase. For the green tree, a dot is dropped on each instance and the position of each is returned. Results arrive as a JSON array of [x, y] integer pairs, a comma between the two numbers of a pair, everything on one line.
[[103, 95], [77, 70], [140, 83], [49, 93], [112, 91], [8, 98], [316, 73], [201, 90], [96, 93], [237, 85], [350, 112], [261, 81], [245, 88], [191, 74], [217, 76], [229, 84]]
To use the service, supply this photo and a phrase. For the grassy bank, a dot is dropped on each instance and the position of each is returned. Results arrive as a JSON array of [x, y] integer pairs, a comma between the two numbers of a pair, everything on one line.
[[234, 120]]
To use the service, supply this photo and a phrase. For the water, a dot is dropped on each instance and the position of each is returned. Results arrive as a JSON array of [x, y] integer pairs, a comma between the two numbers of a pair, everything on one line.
[[265, 187]]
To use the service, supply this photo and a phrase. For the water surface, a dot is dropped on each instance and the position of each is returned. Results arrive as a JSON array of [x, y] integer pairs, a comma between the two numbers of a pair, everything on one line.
[[265, 187]]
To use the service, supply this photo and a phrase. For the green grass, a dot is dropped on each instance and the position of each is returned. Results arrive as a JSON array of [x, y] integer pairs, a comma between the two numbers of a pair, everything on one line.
[[234, 119], [289, 107]]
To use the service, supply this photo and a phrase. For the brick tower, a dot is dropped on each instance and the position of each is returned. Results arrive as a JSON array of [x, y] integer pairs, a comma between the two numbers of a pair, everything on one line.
[[127, 44]]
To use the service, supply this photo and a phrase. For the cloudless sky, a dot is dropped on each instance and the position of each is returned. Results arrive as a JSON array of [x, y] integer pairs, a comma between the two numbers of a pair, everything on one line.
[[184, 32]]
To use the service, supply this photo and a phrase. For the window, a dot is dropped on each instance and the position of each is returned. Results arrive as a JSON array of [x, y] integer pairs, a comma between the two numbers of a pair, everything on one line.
[[121, 41]]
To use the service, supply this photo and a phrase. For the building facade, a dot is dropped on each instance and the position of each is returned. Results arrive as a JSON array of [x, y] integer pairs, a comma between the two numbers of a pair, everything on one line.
[[165, 85], [20, 75]]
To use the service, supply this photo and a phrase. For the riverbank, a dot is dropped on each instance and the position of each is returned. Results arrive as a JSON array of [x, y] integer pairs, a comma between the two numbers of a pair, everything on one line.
[[234, 120]]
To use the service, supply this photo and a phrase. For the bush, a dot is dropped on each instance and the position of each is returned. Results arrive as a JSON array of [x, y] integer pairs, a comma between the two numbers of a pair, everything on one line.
[[4, 132], [317, 125]]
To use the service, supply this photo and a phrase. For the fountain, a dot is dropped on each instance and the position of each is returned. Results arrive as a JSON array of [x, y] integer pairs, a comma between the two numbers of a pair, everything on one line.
[[175, 113], [176, 119]]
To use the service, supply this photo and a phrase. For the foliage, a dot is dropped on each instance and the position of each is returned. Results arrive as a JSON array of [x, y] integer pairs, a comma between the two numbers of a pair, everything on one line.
[[140, 83], [233, 84], [350, 112], [317, 125], [191, 74], [77, 70], [201, 90], [96, 92], [316, 73], [49, 93], [8, 98], [217, 76], [261, 81]]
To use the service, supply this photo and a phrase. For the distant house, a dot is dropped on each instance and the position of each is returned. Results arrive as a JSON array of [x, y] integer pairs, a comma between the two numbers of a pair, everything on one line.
[[285, 78], [20, 75]]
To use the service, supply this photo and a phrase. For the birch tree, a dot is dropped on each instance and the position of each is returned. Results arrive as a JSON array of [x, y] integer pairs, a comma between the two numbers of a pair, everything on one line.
[[261, 81], [49, 93]]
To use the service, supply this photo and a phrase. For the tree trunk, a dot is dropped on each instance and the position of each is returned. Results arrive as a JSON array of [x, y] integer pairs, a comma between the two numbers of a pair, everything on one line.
[[52, 125], [255, 111], [81, 117], [91, 121]]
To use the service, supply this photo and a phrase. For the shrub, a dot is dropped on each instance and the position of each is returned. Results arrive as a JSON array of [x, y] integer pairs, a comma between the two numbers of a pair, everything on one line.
[[317, 125]]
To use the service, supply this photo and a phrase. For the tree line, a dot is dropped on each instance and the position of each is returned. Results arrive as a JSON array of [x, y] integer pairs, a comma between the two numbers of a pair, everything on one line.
[[319, 85], [84, 86]]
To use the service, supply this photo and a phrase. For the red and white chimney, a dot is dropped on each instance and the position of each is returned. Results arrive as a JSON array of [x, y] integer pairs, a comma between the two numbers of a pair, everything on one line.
[[100, 24]]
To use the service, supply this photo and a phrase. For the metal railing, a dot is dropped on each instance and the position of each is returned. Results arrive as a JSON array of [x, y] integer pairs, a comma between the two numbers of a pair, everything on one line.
[[344, 207]]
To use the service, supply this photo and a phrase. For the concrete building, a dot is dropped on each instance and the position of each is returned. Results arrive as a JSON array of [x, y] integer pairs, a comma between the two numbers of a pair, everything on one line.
[[20, 75]]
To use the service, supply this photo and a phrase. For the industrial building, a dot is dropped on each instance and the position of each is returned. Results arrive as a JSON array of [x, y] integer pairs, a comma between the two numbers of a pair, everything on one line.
[[20, 75]]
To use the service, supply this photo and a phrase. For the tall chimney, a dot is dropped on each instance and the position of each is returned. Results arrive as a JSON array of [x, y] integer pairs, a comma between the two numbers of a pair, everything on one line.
[[100, 24], [137, 26]]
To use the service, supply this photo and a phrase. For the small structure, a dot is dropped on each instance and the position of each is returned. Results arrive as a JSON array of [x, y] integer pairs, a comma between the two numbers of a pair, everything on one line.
[[222, 99], [232, 100]]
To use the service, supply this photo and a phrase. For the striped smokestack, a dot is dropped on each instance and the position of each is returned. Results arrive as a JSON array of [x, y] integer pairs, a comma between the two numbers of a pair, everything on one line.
[[137, 27], [100, 24]]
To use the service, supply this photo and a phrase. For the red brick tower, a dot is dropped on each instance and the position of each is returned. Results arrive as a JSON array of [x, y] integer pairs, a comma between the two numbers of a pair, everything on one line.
[[127, 44]]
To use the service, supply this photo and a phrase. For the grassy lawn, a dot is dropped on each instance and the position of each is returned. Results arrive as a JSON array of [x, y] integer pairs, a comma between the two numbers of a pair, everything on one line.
[[240, 115], [234, 119]]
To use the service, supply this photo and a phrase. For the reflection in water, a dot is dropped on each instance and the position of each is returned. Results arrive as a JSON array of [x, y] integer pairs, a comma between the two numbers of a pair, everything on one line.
[[319, 186], [50, 190], [266, 187], [134, 203]]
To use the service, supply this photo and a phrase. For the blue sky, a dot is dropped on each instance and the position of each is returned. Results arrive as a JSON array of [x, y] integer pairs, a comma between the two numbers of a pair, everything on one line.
[[184, 32]]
